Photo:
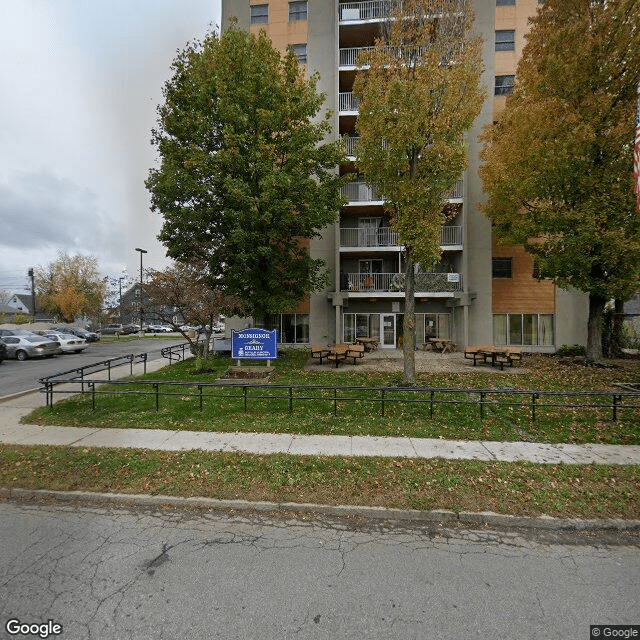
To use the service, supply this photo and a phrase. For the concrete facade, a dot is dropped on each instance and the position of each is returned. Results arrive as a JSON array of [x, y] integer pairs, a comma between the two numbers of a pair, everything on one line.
[[461, 299]]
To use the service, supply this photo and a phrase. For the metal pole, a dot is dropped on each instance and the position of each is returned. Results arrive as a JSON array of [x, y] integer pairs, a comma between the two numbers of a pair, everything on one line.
[[141, 311], [33, 293]]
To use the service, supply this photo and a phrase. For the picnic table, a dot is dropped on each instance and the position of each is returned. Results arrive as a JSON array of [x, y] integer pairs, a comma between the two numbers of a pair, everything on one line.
[[370, 344], [320, 352], [441, 345], [496, 356], [338, 353]]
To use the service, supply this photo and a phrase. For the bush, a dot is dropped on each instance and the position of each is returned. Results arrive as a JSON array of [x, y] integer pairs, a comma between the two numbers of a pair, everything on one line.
[[21, 318], [571, 350]]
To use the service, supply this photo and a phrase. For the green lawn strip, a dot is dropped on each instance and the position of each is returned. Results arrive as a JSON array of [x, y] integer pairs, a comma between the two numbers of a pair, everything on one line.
[[585, 491], [338, 412]]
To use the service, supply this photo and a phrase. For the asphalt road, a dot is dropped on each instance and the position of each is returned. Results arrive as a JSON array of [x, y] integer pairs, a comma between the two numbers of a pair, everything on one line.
[[106, 573], [16, 376]]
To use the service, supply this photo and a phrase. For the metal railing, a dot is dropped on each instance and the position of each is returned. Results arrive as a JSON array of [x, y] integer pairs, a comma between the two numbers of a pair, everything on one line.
[[362, 192], [348, 102], [363, 397], [80, 374], [386, 237], [359, 11], [425, 282]]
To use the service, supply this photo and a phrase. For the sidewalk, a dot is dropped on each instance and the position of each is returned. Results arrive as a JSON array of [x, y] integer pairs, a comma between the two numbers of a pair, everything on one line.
[[12, 432]]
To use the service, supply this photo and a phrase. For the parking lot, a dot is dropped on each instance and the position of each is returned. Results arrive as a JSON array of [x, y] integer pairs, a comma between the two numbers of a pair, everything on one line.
[[17, 377]]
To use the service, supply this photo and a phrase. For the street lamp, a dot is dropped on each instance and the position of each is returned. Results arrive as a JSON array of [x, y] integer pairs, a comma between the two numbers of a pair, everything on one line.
[[141, 312], [120, 279]]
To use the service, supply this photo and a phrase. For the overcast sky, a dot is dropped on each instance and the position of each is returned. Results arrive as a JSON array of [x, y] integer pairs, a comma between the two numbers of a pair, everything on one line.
[[80, 82]]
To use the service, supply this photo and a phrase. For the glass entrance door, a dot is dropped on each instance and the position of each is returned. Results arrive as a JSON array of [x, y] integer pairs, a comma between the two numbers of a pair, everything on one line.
[[388, 330]]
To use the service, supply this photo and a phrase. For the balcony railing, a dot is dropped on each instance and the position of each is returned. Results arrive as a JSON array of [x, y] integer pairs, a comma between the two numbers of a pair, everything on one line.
[[405, 55], [360, 192], [358, 11], [368, 237], [348, 102], [394, 282], [386, 237]]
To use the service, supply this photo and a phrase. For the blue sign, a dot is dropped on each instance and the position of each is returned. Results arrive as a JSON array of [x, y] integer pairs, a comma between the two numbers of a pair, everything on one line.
[[254, 344]]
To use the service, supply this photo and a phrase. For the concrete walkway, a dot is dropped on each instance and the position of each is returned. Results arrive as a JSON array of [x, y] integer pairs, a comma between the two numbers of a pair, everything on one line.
[[12, 409]]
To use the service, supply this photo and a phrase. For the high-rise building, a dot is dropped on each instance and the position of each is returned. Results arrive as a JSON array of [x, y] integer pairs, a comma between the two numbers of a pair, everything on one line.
[[480, 292]]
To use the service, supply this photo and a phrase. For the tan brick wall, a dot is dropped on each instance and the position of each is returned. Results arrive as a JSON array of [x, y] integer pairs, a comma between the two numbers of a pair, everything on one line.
[[279, 29]]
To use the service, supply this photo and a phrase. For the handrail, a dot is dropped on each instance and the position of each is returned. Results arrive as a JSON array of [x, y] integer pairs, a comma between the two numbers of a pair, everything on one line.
[[375, 395], [96, 367]]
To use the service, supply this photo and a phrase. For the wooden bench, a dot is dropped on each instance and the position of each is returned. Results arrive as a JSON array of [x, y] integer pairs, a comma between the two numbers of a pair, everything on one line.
[[507, 356], [477, 354], [320, 352], [355, 351], [338, 353]]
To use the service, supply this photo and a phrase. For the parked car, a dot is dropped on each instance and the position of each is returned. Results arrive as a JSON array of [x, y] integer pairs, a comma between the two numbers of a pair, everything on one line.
[[89, 336], [122, 329], [68, 342], [3, 350], [159, 328], [30, 346]]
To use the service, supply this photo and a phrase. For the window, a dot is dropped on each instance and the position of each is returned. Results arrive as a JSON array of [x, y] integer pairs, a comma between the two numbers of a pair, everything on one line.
[[536, 270], [501, 268], [506, 40], [297, 11], [360, 325], [523, 329], [259, 13], [292, 328], [301, 52], [505, 3], [504, 85]]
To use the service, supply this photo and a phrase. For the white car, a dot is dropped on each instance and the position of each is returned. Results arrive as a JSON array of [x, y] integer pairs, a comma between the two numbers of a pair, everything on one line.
[[159, 328], [68, 342]]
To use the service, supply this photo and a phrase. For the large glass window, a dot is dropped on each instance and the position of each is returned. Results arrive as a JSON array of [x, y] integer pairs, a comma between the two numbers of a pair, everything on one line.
[[523, 329], [259, 13], [292, 328], [297, 11], [360, 325]]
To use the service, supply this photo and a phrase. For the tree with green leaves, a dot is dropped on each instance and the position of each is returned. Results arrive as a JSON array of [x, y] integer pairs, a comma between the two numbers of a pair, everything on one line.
[[184, 291], [70, 287], [558, 162], [419, 91], [245, 178]]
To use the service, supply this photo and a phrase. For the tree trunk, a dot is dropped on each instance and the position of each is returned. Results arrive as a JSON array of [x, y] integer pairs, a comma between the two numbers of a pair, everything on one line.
[[409, 324], [618, 320], [594, 326]]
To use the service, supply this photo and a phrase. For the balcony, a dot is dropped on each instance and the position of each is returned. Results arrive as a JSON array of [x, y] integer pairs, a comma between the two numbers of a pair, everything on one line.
[[385, 237], [361, 192], [348, 104], [364, 11], [349, 57], [437, 284]]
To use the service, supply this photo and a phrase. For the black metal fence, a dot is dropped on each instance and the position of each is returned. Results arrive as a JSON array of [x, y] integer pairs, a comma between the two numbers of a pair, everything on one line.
[[613, 403], [79, 374]]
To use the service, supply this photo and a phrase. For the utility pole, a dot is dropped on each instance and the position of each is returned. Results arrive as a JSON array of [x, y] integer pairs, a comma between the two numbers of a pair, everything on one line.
[[120, 279], [33, 293], [141, 311]]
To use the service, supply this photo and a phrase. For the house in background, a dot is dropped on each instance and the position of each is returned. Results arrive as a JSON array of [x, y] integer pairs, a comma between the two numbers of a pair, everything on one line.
[[480, 293]]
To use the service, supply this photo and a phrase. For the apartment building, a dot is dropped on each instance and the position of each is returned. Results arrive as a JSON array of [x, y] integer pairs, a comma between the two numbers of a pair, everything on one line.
[[480, 292]]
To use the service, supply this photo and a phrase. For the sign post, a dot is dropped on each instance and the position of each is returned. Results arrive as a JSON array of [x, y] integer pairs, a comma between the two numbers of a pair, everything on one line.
[[254, 344]]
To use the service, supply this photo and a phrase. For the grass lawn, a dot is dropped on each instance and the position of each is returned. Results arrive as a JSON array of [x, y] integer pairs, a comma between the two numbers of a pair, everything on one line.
[[585, 491], [505, 418]]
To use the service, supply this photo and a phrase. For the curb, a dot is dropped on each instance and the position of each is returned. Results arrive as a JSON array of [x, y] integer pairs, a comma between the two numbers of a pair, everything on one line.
[[343, 511], [19, 394]]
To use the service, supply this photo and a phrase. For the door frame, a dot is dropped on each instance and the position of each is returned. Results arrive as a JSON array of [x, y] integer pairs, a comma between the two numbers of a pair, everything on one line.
[[383, 344]]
